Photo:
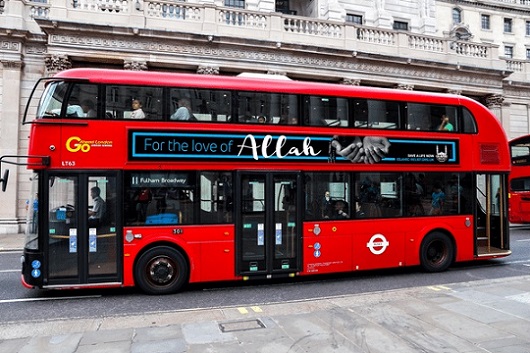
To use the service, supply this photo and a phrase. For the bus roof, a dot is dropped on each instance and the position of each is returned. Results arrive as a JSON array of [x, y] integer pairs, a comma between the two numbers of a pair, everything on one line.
[[521, 140]]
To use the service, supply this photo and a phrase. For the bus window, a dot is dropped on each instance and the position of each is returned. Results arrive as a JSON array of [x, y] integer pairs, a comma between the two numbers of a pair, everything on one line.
[[52, 100], [379, 194], [203, 105], [328, 196], [133, 102], [520, 184], [437, 194], [263, 108], [429, 117], [285, 109], [82, 102], [327, 111], [376, 114], [157, 198], [216, 198], [468, 122], [418, 116]]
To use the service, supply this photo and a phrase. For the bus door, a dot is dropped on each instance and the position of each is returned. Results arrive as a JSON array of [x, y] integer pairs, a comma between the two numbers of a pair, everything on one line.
[[492, 228], [268, 224], [81, 242]]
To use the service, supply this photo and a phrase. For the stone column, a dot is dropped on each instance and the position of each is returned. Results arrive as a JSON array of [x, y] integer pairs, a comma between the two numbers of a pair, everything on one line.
[[495, 103], [11, 75]]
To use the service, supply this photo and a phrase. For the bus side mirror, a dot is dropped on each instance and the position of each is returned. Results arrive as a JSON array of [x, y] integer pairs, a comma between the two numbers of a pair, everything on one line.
[[4, 180]]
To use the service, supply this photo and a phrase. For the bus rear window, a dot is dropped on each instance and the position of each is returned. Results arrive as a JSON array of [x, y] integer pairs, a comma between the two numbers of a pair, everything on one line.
[[520, 184]]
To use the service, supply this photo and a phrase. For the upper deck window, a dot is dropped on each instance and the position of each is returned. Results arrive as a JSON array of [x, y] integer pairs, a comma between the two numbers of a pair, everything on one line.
[[133, 102], [326, 111], [265, 108], [432, 117], [52, 99], [469, 124], [199, 105], [81, 100], [376, 114]]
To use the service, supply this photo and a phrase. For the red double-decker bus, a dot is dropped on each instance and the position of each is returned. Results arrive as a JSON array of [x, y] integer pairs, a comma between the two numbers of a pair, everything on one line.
[[156, 180], [519, 181]]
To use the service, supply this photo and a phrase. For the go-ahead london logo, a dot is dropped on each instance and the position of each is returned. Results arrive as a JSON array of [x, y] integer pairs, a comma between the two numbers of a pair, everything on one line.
[[76, 144]]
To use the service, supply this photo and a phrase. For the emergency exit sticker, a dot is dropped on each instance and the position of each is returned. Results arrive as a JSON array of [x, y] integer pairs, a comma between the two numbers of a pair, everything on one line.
[[92, 240], [73, 240]]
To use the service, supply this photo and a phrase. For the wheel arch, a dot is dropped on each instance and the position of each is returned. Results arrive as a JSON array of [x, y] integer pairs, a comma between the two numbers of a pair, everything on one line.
[[428, 237], [446, 232], [157, 244]]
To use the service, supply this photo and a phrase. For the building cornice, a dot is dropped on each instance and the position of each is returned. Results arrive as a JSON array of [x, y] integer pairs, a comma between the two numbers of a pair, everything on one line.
[[74, 38], [493, 5]]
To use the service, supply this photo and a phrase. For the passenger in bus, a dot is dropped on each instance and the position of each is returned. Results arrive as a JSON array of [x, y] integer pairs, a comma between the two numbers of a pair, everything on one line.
[[137, 112], [142, 198], [293, 120], [359, 213], [445, 124], [438, 199], [97, 212], [262, 119], [73, 110], [327, 205], [340, 210], [413, 195], [88, 109], [184, 111]]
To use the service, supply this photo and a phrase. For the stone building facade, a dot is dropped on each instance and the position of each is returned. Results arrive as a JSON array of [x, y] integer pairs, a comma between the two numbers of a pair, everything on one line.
[[480, 49]]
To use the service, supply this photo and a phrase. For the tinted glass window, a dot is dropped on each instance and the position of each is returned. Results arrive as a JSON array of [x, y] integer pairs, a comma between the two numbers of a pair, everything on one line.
[[326, 111], [328, 196], [200, 105], [375, 114], [133, 102], [159, 198]]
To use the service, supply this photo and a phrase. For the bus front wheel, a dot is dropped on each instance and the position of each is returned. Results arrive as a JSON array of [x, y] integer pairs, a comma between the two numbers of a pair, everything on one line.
[[437, 252], [161, 270]]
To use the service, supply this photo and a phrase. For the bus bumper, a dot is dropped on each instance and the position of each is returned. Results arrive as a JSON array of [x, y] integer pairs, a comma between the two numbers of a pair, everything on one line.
[[25, 284], [32, 269]]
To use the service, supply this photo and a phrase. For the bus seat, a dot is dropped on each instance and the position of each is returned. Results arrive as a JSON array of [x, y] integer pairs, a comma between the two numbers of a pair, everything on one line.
[[162, 218]]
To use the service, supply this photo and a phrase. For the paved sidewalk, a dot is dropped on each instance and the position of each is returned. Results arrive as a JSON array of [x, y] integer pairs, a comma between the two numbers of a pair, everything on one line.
[[472, 317]]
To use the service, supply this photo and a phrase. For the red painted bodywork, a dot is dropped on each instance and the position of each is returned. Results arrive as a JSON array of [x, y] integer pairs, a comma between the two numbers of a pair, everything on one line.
[[519, 201], [210, 249]]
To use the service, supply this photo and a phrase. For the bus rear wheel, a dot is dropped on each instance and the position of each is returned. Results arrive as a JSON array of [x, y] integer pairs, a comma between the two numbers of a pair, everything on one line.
[[161, 270], [437, 252]]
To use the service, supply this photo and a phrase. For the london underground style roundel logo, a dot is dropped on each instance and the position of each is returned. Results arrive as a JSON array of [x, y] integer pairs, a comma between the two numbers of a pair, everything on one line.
[[377, 244]]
